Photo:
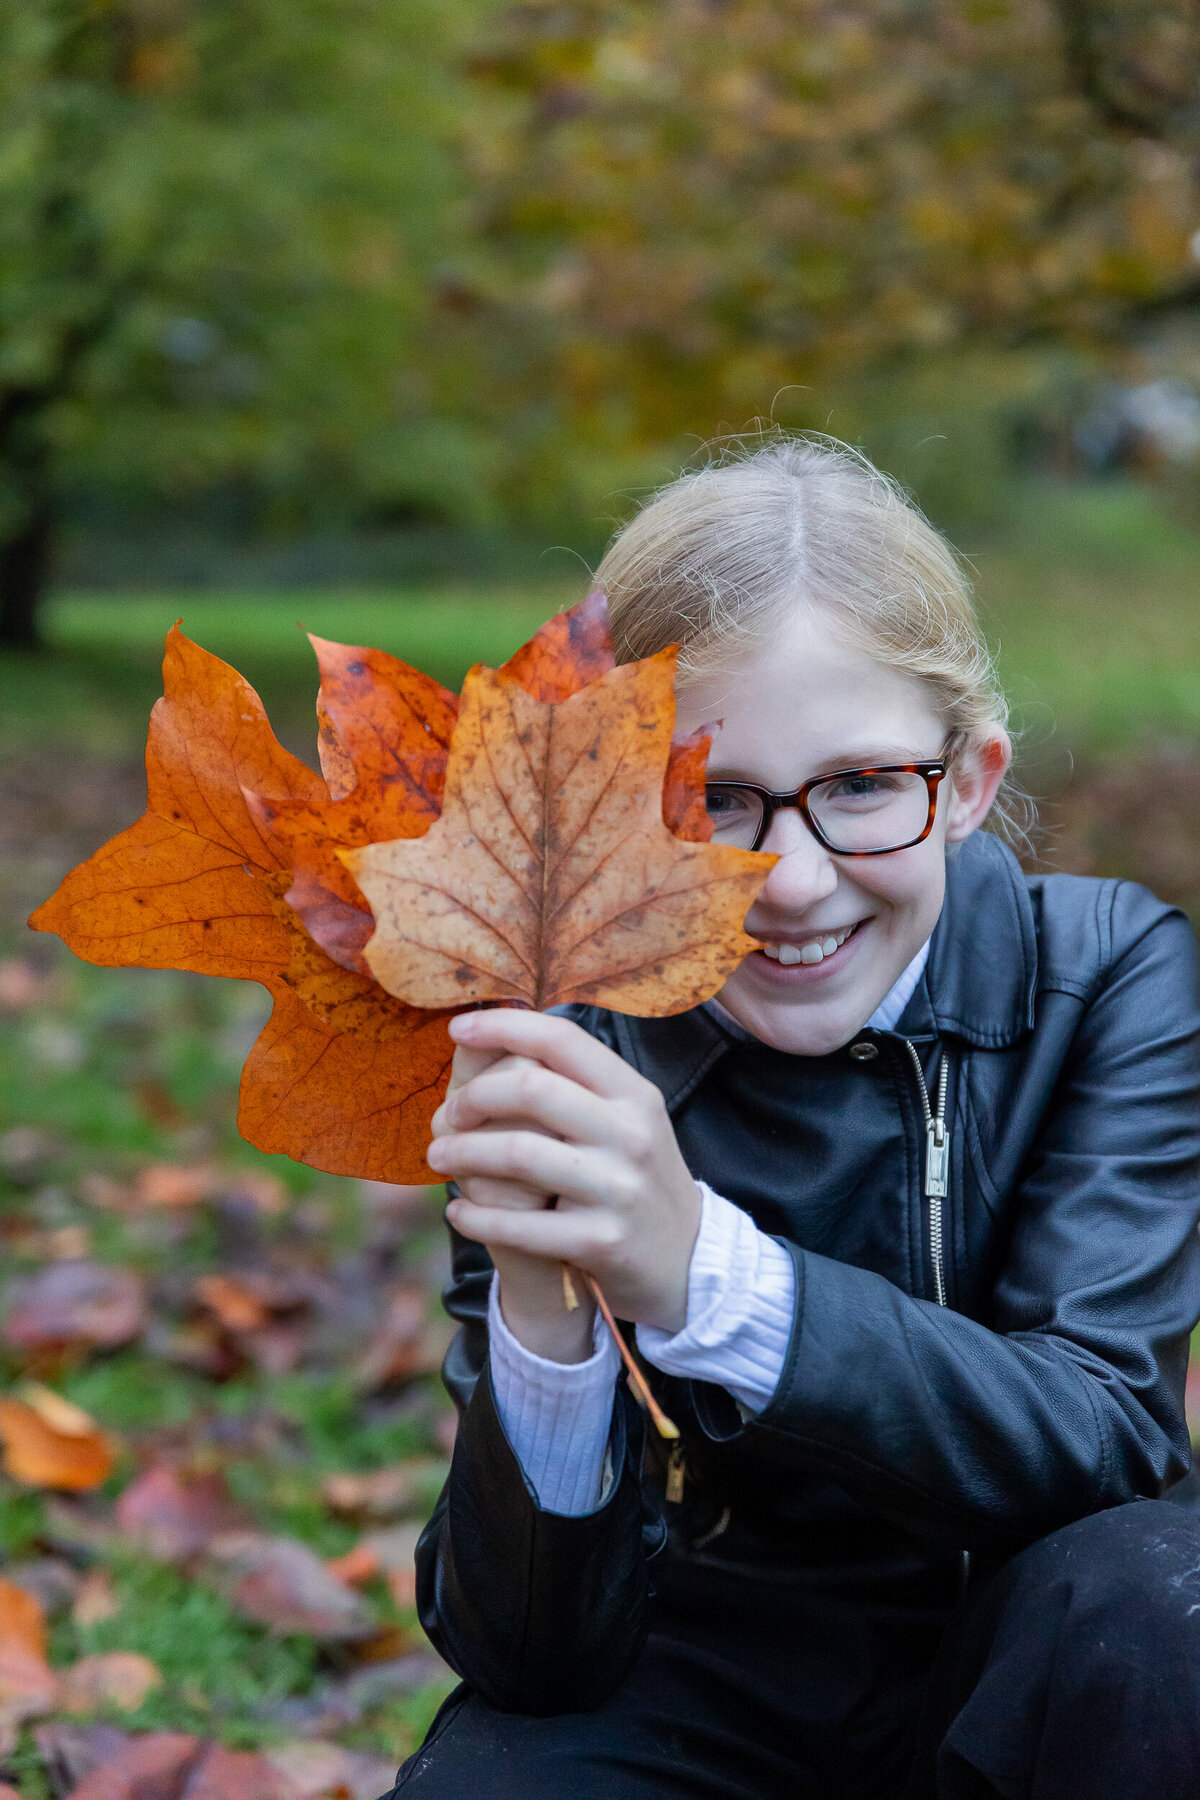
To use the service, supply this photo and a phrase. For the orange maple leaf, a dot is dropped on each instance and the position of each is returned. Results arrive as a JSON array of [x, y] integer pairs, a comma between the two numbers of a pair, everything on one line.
[[238, 868], [550, 875], [384, 738], [198, 884]]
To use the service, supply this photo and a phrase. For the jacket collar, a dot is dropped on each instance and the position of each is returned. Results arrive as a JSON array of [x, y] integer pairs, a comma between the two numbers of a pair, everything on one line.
[[981, 977], [978, 984]]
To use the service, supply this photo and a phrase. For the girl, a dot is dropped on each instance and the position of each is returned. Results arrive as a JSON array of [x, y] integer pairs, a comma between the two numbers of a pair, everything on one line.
[[905, 1222]]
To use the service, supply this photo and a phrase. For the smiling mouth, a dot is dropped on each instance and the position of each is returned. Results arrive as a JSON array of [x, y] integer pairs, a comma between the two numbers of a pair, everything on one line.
[[812, 950]]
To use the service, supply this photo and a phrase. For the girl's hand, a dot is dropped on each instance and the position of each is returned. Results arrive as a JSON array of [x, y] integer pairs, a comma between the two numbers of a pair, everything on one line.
[[627, 1209], [531, 1289]]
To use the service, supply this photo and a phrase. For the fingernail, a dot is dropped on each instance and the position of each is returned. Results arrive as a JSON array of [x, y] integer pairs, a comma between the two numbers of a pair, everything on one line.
[[433, 1156], [462, 1026]]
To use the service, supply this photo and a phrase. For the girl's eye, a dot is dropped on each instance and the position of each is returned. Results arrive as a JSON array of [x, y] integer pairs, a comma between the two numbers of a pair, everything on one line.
[[862, 790], [735, 815], [722, 804]]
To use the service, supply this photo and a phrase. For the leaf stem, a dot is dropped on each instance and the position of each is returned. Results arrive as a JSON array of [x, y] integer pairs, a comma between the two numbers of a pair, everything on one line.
[[665, 1427]]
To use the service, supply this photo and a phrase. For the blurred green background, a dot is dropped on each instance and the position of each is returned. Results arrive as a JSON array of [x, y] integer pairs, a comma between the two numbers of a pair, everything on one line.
[[373, 319]]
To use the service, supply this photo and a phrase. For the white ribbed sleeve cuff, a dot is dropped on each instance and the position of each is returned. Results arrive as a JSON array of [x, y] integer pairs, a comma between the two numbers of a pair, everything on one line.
[[741, 1297], [557, 1416]]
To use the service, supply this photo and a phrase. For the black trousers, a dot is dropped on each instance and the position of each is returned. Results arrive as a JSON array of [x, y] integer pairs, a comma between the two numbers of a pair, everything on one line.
[[1071, 1674]]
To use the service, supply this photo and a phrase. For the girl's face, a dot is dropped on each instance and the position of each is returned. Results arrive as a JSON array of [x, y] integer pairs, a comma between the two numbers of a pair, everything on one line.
[[808, 704]]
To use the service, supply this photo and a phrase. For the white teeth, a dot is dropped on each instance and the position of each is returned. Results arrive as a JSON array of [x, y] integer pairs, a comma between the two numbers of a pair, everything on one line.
[[815, 951]]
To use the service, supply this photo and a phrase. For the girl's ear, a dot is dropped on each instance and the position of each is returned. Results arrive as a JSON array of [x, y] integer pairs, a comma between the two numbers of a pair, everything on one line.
[[975, 778]]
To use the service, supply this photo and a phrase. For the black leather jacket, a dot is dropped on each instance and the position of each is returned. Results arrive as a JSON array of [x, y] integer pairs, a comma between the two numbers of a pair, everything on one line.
[[905, 1430]]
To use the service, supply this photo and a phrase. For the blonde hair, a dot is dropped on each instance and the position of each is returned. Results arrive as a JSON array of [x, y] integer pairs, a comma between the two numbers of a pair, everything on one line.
[[718, 558]]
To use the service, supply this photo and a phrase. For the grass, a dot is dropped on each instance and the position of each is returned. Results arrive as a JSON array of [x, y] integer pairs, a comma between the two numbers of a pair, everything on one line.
[[1091, 597], [112, 1070], [102, 672], [1093, 605]]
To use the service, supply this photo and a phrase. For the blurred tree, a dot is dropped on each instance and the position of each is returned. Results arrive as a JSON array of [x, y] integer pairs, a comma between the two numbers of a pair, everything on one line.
[[218, 230], [694, 204]]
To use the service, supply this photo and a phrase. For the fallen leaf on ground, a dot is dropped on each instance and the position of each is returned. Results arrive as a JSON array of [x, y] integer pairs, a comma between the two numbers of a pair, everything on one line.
[[176, 1514], [384, 1493], [175, 1184], [87, 1304], [119, 1678], [387, 1644], [235, 1305], [51, 1580], [48, 1442], [95, 1601], [154, 1767], [407, 1343], [402, 1586], [62, 1243], [316, 1769], [265, 1192], [395, 1552], [358, 1566], [171, 1765], [72, 1751], [28, 1688], [22, 1618], [27, 1683], [282, 1583], [550, 875], [76, 1526], [333, 1705]]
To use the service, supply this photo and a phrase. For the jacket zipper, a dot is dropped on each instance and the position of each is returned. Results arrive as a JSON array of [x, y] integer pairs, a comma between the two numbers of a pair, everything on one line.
[[937, 1182], [937, 1164]]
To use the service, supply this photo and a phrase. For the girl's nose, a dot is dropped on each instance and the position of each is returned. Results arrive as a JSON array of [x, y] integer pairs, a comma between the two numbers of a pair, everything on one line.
[[805, 871]]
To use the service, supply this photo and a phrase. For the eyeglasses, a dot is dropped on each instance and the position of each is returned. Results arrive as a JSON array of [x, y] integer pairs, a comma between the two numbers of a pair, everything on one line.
[[853, 812]]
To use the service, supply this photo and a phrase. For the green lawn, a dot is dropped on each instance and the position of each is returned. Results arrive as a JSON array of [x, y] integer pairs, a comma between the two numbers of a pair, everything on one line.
[[1091, 598], [1093, 605], [101, 673]]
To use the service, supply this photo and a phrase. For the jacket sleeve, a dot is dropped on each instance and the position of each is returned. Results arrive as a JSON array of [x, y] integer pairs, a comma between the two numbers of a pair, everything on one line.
[[1070, 1399], [539, 1612]]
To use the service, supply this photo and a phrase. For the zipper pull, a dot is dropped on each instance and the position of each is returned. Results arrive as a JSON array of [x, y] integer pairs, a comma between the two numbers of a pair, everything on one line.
[[937, 1159], [676, 1473]]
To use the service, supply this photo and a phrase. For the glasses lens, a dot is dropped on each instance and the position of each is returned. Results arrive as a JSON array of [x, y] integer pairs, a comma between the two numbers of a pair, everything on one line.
[[736, 815], [871, 810]]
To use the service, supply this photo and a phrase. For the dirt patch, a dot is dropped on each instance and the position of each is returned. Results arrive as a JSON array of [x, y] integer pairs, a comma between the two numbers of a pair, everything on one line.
[[1136, 815], [55, 809]]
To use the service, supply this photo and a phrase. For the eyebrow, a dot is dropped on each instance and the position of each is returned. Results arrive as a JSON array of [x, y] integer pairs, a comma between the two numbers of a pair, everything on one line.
[[872, 757]]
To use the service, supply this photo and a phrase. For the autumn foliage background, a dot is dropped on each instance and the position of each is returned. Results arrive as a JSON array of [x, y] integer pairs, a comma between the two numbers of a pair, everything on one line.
[[376, 316]]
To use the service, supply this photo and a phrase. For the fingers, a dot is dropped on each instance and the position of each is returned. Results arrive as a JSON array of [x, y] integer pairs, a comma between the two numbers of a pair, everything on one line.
[[512, 1196], [517, 1089], [581, 1238], [571, 1171], [559, 1044], [468, 1063]]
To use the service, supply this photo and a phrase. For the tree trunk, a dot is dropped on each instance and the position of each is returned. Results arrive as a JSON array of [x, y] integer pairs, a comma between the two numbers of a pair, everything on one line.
[[24, 577]]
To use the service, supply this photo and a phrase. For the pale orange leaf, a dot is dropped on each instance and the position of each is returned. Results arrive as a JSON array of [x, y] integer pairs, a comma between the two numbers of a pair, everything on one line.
[[50, 1443], [551, 876]]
